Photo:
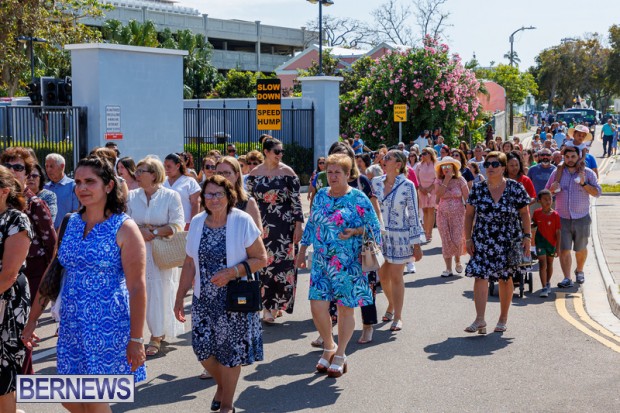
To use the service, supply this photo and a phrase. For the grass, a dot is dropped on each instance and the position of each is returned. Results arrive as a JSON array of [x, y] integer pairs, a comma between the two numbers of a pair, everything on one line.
[[607, 188]]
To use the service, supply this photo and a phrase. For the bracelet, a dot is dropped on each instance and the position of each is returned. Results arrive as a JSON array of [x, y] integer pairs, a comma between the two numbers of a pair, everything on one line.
[[444, 185], [137, 340], [236, 271], [527, 236]]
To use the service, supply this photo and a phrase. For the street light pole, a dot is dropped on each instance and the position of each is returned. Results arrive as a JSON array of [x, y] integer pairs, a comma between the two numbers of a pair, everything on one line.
[[30, 41], [321, 3], [512, 39]]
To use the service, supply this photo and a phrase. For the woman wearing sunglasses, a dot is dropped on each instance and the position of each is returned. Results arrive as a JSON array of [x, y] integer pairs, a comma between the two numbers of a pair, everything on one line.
[[208, 168], [499, 208], [36, 181], [275, 187], [320, 167], [403, 233]]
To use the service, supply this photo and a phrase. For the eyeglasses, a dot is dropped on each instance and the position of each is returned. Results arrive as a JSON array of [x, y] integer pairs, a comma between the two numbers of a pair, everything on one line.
[[34, 176], [278, 151], [209, 167], [142, 171], [225, 173], [15, 166], [214, 195], [494, 164]]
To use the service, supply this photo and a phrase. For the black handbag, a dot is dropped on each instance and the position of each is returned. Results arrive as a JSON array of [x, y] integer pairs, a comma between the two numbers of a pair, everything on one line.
[[51, 281], [244, 296]]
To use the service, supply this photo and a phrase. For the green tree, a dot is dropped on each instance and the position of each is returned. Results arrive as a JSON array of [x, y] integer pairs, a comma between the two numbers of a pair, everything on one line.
[[613, 66], [238, 84], [517, 84], [58, 22], [133, 34]]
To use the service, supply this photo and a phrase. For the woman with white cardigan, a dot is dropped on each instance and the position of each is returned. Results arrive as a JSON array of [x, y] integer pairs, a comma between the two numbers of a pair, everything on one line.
[[159, 213], [219, 241]]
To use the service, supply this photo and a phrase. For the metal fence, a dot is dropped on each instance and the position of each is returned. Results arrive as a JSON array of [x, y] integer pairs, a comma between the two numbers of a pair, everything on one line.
[[46, 130], [206, 129]]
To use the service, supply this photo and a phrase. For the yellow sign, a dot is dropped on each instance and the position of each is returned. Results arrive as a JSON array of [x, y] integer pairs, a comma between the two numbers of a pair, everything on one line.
[[400, 113], [268, 108]]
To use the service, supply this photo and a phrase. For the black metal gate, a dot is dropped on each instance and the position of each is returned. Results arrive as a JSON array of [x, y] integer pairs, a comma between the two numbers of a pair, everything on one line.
[[206, 129], [46, 130]]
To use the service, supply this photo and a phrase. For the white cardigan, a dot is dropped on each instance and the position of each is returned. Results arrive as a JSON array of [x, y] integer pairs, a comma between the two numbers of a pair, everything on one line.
[[241, 232]]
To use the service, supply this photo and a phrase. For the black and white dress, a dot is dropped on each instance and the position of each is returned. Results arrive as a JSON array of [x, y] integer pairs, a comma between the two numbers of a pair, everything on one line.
[[17, 307], [497, 226], [232, 338]]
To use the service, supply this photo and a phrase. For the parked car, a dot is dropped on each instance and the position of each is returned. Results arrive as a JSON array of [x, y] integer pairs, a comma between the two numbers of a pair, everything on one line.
[[589, 115]]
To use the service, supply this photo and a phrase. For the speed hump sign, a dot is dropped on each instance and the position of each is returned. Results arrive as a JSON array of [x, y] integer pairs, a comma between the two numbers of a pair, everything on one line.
[[400, 113]]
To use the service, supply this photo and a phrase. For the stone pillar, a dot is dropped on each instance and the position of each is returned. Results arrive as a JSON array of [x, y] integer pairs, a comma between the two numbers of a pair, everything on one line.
[[136, 92], [324, 93]]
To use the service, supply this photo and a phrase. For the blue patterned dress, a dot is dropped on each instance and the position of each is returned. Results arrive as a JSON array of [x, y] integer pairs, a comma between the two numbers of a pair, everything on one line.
[[94, 309], [336, 272], [232, 338]]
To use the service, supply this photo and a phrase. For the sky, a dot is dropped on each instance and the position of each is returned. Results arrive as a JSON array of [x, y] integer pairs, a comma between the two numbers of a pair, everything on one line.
[[477, 26]]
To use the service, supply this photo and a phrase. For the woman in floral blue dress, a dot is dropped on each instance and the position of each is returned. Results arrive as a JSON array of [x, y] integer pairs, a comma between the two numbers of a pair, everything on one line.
[[103, 300], [339, 216]]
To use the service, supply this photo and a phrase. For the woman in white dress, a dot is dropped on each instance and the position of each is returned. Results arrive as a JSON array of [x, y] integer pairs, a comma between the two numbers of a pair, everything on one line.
[[159, 213], [186, 186]]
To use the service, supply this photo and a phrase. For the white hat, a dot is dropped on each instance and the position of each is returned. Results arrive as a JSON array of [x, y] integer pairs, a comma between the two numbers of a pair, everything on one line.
[[447, 160]]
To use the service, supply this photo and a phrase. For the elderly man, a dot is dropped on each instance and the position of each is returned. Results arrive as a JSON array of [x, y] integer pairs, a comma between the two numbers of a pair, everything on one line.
[[401, 147], [572, 202], [61, 185]]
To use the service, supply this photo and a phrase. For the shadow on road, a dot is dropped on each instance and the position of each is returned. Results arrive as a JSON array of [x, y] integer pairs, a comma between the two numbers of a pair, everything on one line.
[[433, 251], [472, 346], [431, 281]]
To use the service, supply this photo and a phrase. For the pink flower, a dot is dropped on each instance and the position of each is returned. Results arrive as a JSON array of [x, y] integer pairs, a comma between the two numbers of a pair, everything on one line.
[[360, 211], [335, 262]]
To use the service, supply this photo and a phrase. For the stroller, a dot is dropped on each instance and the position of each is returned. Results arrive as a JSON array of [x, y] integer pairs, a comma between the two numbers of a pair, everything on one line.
[[528, 278]]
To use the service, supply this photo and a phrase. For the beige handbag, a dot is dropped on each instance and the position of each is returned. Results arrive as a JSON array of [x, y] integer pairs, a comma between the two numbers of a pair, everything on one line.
[[169, 252], [372, 257]]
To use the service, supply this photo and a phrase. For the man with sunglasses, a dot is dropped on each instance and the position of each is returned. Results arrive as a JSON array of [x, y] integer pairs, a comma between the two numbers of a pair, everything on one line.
[[572, 202], [232, 150]]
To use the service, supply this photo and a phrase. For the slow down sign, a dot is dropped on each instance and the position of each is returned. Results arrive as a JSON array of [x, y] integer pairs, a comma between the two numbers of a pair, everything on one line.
[[268, 104]]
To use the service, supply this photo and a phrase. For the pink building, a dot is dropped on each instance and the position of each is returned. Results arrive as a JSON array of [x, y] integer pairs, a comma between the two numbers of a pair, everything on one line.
[[496, 98], [287, 72]]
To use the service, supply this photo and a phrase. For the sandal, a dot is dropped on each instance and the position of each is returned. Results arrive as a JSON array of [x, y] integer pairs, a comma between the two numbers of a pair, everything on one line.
[[337, 370], [323, 365], [366, 336], [317, 343], [459, 268], [268, 318], [205, 375], [152, 349], [477, 326], [279, 314], [397, 326], [500, 328], [387, 316]]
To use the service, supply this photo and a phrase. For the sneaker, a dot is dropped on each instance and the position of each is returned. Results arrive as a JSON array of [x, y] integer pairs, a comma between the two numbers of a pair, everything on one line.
[[565, 283], [580, 277], [544, 293], [447, 274], [410, 267], [549, 288]]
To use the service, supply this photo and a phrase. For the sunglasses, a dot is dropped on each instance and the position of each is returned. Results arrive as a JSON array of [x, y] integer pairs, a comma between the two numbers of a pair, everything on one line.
[[494, 164], [209, 167], [232, 150], [322, 163], [214, 195], [225, 173], [278, 151], [34, 176], [15, 166], [254, 163]]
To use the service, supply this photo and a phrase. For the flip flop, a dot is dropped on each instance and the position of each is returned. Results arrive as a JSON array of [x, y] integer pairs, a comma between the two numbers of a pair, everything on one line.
[[387, 316]]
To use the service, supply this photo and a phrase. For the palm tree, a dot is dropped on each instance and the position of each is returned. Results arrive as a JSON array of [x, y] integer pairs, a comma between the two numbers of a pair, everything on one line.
[[514, 59]]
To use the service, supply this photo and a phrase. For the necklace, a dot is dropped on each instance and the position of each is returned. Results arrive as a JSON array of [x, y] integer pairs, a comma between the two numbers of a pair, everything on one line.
[[496, 186]]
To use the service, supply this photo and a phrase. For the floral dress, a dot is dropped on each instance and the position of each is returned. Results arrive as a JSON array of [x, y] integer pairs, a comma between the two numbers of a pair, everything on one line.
[[400, 213], [336, 272], [451, 218], [497, 227], [280, 208], [16, 307], [94, 307], [232, 338]]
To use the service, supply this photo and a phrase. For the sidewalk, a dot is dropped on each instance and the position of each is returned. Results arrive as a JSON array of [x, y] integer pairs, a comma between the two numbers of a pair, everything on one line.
[[606, 237]]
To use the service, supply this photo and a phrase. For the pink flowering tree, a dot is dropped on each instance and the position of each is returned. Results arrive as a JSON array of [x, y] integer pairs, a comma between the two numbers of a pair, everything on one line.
[[438, 91]]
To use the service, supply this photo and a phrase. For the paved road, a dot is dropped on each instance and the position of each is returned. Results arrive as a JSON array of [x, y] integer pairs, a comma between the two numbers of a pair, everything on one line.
[[549, 360]]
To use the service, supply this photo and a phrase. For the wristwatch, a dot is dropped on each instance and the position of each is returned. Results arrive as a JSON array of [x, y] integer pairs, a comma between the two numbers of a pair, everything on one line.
[[137, 340], [527, 236], [155, 232]]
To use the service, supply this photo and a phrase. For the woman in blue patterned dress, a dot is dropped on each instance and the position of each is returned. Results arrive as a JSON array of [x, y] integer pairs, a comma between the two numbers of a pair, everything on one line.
[[401, 244], [103, 301], [340, 214], [219, 241]]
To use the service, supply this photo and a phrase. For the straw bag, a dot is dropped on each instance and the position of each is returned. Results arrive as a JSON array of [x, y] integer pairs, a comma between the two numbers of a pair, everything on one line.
[[372, 257], [169, 252]]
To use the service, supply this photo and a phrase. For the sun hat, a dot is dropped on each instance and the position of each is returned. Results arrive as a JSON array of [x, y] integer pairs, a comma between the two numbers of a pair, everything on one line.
[[447, 160], [580, 128]]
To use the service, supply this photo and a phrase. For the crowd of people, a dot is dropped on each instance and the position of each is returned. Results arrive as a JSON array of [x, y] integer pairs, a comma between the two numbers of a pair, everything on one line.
[[239, 215]]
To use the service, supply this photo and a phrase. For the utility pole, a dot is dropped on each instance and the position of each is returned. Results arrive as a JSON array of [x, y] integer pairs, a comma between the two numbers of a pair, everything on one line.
[[512, 39]]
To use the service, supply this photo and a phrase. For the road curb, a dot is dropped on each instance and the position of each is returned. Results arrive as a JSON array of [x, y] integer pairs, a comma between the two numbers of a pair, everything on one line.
[[610, 286]]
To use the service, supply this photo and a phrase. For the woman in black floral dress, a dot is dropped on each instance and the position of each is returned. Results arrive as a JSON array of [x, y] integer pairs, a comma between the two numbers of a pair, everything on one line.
[[15, 236], [500, 209], [275, 187]]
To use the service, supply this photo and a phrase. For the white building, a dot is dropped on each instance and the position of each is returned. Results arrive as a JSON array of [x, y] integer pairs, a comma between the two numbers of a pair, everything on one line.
[[237, 44]]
